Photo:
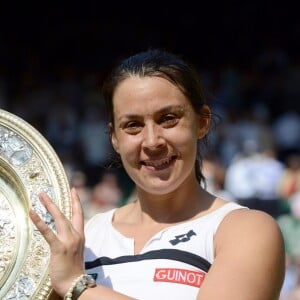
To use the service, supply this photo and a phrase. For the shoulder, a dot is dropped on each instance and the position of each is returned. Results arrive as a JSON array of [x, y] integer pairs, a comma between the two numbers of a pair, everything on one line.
[[252, 235], [248, 224], [249, 248]]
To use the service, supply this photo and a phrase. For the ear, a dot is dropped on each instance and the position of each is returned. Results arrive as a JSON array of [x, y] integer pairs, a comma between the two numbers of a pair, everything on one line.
[[113, 138], [204, 121]]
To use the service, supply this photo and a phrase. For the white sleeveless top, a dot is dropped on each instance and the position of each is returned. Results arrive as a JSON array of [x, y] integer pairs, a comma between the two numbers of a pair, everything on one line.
[[172, 264]]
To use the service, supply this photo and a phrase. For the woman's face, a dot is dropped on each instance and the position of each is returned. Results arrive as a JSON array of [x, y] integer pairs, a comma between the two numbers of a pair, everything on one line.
[[155, 132]]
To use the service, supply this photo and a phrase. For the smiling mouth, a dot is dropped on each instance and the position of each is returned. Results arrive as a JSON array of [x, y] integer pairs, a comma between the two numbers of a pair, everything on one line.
[[159, 164]]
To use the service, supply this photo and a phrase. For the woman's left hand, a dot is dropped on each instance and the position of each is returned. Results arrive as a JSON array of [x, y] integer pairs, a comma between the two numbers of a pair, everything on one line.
[[66, 245]]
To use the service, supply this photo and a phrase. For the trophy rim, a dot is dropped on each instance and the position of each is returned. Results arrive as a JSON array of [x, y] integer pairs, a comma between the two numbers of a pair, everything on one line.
[[28, 165]]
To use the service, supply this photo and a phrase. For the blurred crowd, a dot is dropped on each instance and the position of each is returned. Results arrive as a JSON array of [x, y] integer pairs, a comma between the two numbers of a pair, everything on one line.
[[252, 156]]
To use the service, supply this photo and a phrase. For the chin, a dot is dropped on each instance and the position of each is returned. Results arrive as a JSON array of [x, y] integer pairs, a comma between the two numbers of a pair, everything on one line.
[[160, 188]]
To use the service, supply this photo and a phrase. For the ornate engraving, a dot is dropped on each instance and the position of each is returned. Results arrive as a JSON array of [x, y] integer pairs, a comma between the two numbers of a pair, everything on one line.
[[14, 148], [28, 166], [7, 236]]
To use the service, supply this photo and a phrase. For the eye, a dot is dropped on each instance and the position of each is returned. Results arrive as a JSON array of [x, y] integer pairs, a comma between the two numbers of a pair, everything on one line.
[[169, 120], [132, 127]]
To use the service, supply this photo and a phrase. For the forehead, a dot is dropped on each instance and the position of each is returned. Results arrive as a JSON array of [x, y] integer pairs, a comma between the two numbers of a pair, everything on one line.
[[147, 94]]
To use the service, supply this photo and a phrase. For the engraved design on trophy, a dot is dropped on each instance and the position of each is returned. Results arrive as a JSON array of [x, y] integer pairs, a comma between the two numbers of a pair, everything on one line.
[[28, 166]]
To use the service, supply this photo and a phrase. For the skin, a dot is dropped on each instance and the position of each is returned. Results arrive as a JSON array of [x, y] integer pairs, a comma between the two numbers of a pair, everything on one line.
[[155, 131]]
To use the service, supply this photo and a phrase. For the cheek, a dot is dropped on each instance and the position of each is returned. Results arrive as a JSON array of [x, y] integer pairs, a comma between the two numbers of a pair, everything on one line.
[[128, 149], [185, 144], [185, 137]]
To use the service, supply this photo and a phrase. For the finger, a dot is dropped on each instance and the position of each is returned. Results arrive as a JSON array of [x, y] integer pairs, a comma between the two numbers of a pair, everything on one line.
[[47, 233], [51, 207], [62, 224], [77, 212]]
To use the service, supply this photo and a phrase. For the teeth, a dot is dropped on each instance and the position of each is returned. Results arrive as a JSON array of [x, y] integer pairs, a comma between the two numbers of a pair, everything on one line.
[[158, 163]]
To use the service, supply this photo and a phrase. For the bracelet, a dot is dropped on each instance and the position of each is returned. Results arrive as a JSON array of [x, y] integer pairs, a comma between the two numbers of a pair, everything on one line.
[[79, 285]]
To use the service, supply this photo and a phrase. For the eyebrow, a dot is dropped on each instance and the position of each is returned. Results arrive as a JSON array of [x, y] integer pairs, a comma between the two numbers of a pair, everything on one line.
[[164, 110]]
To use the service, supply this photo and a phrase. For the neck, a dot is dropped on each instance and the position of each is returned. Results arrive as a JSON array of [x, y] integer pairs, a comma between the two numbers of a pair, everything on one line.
[[182, 204]]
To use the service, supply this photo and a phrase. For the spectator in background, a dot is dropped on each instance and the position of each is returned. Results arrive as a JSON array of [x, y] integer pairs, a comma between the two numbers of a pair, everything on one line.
[[286, 133], [214, 173], [241, 129], [253, 178], [290, 180], [94, 142], [105, 195], [290, 227], [61, 128], [79, 181]]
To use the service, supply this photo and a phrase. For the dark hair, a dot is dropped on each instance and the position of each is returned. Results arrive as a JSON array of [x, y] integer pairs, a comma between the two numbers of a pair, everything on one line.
[[158, 63]]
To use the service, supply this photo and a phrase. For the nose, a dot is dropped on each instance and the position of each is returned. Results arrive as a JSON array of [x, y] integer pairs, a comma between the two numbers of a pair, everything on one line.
[[153, 137]]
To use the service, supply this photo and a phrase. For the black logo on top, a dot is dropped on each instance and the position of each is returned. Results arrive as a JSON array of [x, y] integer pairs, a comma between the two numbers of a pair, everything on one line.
[[182, 238]]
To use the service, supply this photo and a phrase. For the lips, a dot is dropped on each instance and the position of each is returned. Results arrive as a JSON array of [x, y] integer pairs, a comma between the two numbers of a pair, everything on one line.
[[159, 164]]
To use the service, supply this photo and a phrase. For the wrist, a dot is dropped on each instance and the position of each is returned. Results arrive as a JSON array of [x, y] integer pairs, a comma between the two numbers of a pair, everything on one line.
[[79, 285]]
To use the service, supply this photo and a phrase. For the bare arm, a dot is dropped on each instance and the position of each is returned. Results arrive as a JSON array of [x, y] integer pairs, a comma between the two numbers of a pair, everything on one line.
[[250, 261]]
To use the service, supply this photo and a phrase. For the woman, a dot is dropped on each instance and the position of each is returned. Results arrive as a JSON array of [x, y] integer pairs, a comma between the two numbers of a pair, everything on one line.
[[176, 240]]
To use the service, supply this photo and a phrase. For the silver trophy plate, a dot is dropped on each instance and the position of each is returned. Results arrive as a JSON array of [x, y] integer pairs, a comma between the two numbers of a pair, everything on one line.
[[28, 166]]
